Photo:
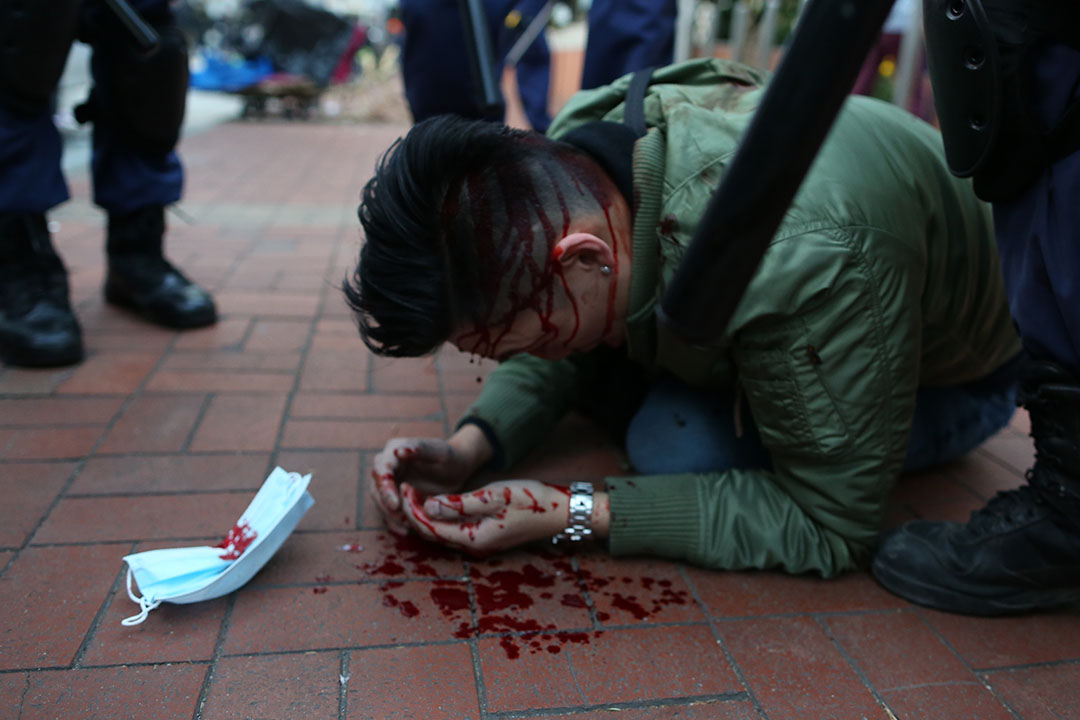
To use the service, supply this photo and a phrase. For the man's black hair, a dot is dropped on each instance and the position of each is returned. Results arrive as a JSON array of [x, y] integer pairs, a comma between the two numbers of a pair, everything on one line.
[[448, 221]]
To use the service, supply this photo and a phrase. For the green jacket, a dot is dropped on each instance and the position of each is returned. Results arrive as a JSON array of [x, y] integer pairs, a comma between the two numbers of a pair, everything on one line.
[[882, 278]]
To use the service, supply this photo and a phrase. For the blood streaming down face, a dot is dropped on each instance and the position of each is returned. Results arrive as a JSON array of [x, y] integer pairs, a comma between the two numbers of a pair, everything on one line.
[[512, 215]]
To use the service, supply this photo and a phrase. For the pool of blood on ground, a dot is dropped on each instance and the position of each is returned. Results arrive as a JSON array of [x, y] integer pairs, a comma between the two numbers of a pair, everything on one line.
[[500, 595]]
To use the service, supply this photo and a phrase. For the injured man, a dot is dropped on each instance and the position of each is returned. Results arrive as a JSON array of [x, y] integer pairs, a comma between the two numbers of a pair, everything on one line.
[[874, 337]]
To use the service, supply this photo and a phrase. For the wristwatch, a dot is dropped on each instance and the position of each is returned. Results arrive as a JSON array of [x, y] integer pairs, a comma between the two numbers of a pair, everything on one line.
[[581, 505]]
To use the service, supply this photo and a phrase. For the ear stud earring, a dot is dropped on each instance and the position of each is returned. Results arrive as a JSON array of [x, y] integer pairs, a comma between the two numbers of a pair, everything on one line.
[[605, 269]]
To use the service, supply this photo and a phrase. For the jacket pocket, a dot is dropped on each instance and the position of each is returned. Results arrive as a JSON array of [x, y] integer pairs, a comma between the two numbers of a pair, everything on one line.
[[792, 407]]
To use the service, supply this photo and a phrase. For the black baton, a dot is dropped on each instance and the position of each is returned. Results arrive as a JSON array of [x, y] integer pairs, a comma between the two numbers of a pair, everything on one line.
[[830, 44], [145, 36], [481, 57]]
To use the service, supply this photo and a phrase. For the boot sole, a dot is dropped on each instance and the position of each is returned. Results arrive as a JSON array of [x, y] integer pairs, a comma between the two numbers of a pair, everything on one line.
[[176, 322], [953, 601]]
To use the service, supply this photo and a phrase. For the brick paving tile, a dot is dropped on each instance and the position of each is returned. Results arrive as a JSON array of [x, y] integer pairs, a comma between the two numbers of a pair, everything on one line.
[[141, 518], [606, 666], [233, 302], [660, 662], [354, 434], [985, 475], [283, 360], [12, 686], [364, 407], [210, 381], [931, 486], [277, 686], [128, 341], [49, 444], [404, 375], [700, 710], [958, 510], [532, 679], [227, 333], [50, 597], [456, 405], [796, 672], [154, 423], [1014, 450], [120, 693], [20, 412], [1003, 642], [339, 370], [318, 558], [880, 645], [171, 473], [1020, 422], [627, 592], [335, 616], [404, 683], [334, 485], [738, 594], [960, 701], [240, 423], [111, 372], [1039, 693], [278, 335], [27, 490], [172, 633], [16, 381]]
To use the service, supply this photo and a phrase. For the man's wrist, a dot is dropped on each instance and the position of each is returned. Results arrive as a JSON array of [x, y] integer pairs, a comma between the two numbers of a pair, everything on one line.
[[472, 446], [601, 515]]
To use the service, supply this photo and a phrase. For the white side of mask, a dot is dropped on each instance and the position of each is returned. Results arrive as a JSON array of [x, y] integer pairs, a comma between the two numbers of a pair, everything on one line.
[[193, 574]]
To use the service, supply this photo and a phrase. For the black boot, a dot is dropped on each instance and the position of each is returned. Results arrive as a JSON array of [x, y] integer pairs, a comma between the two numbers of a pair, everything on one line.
[[142, 280], [37, 326], [1022, 551]]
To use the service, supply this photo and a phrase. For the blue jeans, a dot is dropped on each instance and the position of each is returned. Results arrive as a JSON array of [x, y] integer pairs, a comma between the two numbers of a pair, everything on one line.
[[682, 429]]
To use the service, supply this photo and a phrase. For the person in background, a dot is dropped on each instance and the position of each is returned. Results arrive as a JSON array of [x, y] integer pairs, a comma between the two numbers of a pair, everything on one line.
[[624, 36], [435, 61], [137, 107]]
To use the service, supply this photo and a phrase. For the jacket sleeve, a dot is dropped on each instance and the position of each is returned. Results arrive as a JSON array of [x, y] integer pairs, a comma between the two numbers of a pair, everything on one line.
[[522, 399], [832, 389]]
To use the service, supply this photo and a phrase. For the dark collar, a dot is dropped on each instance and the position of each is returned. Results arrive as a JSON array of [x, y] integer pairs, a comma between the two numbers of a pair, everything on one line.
[[612, 146]]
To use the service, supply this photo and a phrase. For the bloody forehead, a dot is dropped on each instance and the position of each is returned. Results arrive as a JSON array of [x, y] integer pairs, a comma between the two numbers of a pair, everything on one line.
[[512, 214]]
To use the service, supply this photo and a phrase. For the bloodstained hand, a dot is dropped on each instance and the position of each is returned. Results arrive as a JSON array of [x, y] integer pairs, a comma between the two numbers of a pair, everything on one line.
[[496, 517], [430, 465]]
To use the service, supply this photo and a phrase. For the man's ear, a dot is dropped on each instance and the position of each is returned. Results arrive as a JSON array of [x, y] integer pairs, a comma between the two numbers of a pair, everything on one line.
[[585, 248]]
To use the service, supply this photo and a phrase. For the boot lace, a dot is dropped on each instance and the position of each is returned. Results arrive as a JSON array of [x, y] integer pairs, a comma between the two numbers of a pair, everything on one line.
[[1008, 509]]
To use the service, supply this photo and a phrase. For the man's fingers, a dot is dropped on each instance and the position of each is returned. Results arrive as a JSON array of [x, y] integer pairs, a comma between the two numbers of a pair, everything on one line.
[[480, 503], [385, 491]]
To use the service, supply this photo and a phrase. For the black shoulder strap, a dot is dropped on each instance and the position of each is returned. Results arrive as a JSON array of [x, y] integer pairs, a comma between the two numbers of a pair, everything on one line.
[[634, 115]]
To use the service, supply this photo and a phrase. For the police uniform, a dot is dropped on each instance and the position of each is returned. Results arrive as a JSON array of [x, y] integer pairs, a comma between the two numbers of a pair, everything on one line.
[[137, 108], [1006, 76]]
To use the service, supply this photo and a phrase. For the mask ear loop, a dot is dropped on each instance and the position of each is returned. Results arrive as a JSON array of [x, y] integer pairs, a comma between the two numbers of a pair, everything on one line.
[[145, 605]]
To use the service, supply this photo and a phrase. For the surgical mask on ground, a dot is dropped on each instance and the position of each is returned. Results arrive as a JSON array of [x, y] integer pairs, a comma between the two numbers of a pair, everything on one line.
[[193, 574]]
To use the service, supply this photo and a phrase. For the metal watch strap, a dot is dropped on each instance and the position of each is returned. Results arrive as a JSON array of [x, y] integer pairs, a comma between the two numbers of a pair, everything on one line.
[[581, 506]]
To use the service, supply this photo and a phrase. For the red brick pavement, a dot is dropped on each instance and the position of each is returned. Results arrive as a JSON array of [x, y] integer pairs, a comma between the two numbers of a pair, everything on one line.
[[159, 439]]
